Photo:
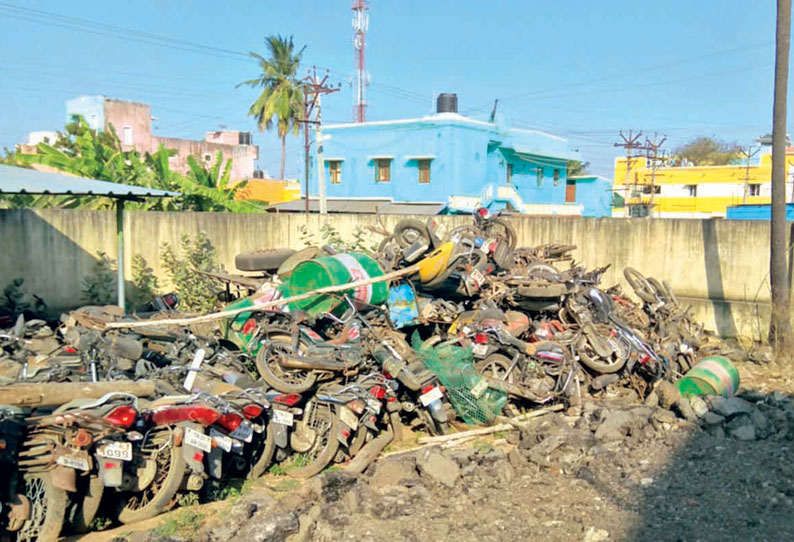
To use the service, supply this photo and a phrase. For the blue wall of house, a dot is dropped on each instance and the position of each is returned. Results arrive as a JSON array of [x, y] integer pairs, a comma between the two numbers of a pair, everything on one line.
[[595, 194], [466, 156], [92, 108]]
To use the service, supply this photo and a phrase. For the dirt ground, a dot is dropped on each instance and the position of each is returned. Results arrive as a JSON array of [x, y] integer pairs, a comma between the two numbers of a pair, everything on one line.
[[617, 471]]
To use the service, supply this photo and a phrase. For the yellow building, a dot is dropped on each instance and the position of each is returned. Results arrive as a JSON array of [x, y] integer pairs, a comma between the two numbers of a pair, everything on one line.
[[694, 191], [271, 191]]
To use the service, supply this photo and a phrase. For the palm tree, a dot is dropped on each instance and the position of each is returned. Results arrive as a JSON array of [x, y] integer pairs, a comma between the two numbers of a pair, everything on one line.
[[282, 94]]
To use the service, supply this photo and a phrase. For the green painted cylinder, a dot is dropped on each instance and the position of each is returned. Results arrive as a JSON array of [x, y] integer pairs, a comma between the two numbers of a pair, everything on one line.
[[713, 375], [333, 271]]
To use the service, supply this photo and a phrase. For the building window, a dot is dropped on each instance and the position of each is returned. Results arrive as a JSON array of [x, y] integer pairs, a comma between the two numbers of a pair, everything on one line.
[[207, 157], [556, 177], [424, 171], [127, 135], [335, 171], [540, 176], [691, 189], [755, 189], [509, 173], [383, 170], [651, 189], [245, 138]]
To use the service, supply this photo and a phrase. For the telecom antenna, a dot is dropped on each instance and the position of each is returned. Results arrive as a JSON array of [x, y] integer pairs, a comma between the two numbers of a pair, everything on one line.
[[360, 27]]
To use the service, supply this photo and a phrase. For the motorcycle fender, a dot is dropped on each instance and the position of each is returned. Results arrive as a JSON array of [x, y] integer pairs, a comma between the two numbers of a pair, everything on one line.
[[215, 463], [145, 475], [194, 457], [64, 478], [110, 472], [281, 432]]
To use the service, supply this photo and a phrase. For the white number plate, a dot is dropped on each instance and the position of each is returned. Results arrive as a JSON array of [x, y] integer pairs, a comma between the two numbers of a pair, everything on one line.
[[116, 450], [223, 442], [432, 395], [190, 379], [480, 350], [477, 277], [283, 417], [348, 418], [79, 463], [479, 388], [198, 440]]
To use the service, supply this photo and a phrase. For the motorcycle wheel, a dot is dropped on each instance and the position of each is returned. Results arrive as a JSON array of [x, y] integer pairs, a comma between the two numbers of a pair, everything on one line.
[[500, 229], [408, 231], [269, 366], [266, 451], [495, 366], [87, 504], [320, 418], [158, 496], [640, 285], [592, 361], [434, 427], [462, 231], [47, 509]]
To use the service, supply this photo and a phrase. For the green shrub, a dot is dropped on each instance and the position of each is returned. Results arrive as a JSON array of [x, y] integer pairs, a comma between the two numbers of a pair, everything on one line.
[[197, 292]]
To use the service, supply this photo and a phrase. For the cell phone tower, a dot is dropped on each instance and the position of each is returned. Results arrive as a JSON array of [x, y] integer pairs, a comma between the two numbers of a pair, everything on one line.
[[360, 26]]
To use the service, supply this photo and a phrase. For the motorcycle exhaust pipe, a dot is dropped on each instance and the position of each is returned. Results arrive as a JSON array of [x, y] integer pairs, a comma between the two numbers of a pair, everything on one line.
[[289, 362]]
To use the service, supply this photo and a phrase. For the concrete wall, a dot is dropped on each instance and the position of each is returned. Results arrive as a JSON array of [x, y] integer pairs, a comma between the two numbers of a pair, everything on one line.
[[718, 266], [137, 116]]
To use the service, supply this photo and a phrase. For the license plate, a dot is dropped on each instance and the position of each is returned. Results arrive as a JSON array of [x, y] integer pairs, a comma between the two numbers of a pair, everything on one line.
[[433, 395], [348, 418], [73, 462], [244, 432], [223, 442], [198, 440], [477, 277], [190, 379], [116, 450], [480, 350], [479, 388], [283, 417]]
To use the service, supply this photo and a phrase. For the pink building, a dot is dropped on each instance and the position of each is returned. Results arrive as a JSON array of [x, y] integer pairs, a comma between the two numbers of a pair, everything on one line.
[[133, 124]]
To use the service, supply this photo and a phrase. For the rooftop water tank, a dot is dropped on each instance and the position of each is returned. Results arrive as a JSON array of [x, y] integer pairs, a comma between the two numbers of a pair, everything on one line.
[[447, 103]]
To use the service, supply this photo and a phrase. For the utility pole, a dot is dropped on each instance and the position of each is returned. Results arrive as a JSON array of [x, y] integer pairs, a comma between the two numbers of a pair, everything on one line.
[[630, 142], [360, 27], [747, 154], [314, 88], [780, 323], [652, 154]]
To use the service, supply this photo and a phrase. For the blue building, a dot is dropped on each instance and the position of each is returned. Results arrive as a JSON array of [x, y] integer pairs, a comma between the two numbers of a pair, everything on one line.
[[456, 162]]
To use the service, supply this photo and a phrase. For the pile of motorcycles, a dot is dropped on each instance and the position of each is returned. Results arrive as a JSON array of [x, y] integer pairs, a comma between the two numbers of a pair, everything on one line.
[[122, 422]]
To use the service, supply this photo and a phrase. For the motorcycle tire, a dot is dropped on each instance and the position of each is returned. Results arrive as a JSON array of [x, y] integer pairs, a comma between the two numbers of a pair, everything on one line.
[[500, 229], [640, 285], [592, 361], [409, 230], [495, 366], [262, 260], [285, 381], [159, 495], [433, 426], [324, 420], [47, 509], [462, 231], [267, 452], [87, 503]]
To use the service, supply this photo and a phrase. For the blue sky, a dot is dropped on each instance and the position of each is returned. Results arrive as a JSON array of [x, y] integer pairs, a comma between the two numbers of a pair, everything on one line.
[[580, 69]]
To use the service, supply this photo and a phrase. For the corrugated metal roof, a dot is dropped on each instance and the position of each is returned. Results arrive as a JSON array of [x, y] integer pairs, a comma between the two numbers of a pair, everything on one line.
[[360, 206], [16, 180]]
